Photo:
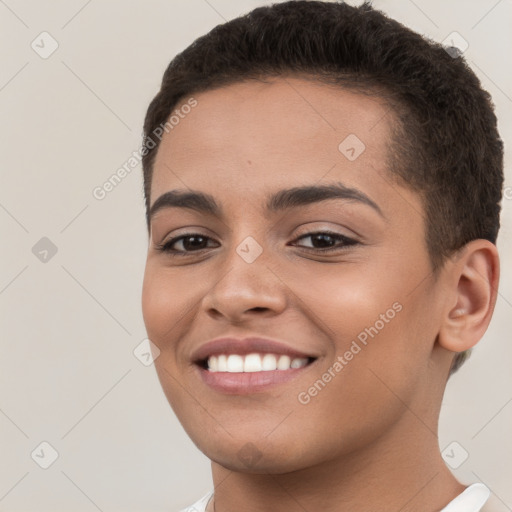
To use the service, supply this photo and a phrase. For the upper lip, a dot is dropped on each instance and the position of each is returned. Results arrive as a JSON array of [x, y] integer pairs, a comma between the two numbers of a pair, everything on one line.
[[245, 346]]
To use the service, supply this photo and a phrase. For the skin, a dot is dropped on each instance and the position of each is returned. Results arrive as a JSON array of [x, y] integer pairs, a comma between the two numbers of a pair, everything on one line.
[[372, 430]]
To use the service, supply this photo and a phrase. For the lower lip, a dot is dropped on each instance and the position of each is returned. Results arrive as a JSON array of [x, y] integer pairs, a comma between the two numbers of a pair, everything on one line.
[[241, 383]]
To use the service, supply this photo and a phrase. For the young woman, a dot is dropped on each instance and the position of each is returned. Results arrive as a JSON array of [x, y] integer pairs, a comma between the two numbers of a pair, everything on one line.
[[322, 189]]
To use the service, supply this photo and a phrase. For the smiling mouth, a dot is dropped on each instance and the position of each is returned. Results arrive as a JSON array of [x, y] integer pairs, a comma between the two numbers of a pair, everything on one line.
[[253, 362]]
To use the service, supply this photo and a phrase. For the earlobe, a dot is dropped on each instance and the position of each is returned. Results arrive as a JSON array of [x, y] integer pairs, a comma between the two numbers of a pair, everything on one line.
[[474, 288]]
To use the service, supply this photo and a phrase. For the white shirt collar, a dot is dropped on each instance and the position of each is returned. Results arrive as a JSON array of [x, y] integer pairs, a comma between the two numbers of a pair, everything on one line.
[[471, 500]]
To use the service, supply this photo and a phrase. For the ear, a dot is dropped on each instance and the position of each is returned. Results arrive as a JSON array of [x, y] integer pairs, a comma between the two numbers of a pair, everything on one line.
[[474, 288]]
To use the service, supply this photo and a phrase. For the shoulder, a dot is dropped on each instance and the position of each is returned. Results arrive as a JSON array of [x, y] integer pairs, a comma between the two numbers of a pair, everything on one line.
[[473, 499]]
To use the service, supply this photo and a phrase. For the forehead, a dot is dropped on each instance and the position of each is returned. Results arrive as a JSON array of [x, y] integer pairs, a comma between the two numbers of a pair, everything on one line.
[[285, 132]]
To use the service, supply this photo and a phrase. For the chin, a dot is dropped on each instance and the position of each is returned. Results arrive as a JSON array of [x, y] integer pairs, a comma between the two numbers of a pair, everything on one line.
[[256, 459], [256, 453]]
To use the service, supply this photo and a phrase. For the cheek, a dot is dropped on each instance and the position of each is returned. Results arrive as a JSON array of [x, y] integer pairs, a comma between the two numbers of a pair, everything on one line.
[[376, 325], [343, 303], [153, 303], [160, 313], [164, 304]]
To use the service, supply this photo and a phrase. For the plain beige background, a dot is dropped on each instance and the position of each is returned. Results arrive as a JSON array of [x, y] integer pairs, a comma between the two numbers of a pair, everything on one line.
[[72, 320]]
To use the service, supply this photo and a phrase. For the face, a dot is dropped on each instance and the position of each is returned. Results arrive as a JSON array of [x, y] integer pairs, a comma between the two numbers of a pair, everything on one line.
[[336, 281]]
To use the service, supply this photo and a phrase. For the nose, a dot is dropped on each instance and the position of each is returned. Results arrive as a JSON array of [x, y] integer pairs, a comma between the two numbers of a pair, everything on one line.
[[243, 290]]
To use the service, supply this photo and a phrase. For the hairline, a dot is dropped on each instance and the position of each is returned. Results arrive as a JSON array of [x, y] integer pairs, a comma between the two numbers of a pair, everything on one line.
[[352, 82]]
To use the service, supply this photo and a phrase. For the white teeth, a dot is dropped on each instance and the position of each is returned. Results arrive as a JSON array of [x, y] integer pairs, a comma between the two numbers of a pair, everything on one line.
[[283, 363], [269, 362], [213, 364], [235, 363], [222, 363], [254, 362], [299, 362]]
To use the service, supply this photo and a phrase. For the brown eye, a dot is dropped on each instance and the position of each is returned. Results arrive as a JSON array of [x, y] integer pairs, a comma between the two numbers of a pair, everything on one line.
[[325, 241], [190, 242]]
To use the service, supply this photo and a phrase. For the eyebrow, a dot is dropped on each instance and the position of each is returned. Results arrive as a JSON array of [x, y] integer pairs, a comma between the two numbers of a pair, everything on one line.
[[278, 201]]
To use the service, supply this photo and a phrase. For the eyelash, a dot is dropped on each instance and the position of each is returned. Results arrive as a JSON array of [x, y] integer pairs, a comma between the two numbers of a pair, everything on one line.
[[166, 246]]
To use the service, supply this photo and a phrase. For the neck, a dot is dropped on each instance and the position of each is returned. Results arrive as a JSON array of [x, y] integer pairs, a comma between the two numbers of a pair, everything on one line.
[[401, 471]]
